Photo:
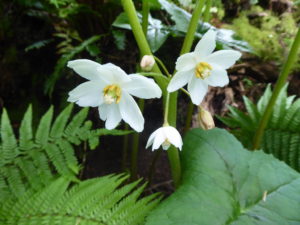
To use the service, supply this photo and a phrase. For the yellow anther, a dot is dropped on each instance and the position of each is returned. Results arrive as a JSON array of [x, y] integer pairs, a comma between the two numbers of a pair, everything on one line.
[[203, 70], [112, 94]]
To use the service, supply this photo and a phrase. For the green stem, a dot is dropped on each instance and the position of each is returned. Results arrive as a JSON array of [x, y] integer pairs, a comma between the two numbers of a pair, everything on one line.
[[166, 123], [189, 38], [206, 15], [137, 30], [135, 141], [145, 14], [162, 66], [145, 50], [186, 47], [279, 84], [187, 44], [185, 92]]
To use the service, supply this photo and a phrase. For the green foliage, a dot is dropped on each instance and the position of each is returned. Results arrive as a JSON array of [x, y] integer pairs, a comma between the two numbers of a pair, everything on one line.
[[225, 38], [282, 135], [120, 39], [223, 183], [273, 34], [158, 32], [38, 183], [96, 201], [38, 45], [36, 158], [62, 62]]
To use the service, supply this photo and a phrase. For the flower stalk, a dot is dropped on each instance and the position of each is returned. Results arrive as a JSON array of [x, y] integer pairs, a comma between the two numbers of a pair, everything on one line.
[[145, 16], [141, 103], [145, 50], [206, 15], [189, 38], [278, 86], [187, 45], [166, 123], [172, 115]]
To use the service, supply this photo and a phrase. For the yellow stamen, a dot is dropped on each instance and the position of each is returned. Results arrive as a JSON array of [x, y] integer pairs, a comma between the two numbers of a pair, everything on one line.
[[112, 94], [203, 70]]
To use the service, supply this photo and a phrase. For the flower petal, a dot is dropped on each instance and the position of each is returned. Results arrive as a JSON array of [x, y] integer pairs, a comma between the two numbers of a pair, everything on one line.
[[142, 87], [87, 94], [113, 116], [103, 110], [113, 74], [206, 45], [186, 62], [151, 139], [130, 112], [160, 137], [197, 89], [180, 79], [85, 68], [173, 136], [218, 77], [223, 58]]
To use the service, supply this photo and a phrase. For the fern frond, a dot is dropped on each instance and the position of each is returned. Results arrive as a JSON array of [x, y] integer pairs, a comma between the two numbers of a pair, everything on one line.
[[60, 122], [25, 132], [8, 139], [37, 158], [38, 44], [282, 134], [42, 134], [63, 203]]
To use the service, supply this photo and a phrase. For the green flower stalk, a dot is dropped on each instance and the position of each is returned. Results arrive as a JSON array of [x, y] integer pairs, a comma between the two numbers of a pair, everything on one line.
[[145, 50], [206, 15], [187, 45], [189, 38], [279, 85]]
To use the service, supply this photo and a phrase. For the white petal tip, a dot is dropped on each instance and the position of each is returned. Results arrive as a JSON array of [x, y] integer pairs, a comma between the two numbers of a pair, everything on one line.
[[70, 99], [70, 64], [139, 130], [170, 89]]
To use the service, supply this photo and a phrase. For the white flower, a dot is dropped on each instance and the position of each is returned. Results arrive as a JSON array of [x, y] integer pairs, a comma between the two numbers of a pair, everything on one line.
[[201, 68], [109, 88], [165, 136]]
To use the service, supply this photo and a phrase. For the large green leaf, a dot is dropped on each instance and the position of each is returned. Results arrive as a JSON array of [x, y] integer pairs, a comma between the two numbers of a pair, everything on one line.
[[282, 134], [225, 184]]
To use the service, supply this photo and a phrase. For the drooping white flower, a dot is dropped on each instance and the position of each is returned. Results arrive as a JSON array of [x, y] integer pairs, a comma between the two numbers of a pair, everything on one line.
[[109, 88], [201, 68], [165, 136]]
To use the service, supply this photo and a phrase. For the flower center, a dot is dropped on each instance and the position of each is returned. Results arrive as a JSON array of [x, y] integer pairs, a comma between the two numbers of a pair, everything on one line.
[[112, 94], [203, 70], [166, 144]]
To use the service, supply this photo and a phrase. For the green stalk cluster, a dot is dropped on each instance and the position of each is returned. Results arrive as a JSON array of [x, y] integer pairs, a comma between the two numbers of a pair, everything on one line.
[[169, 99]]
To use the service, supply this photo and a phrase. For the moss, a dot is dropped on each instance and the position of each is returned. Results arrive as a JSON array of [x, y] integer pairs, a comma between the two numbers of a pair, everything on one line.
[[269, 35]]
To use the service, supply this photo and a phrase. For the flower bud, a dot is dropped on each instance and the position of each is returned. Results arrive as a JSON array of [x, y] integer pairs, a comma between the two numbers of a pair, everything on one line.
[[147, 62], [206, 120]]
